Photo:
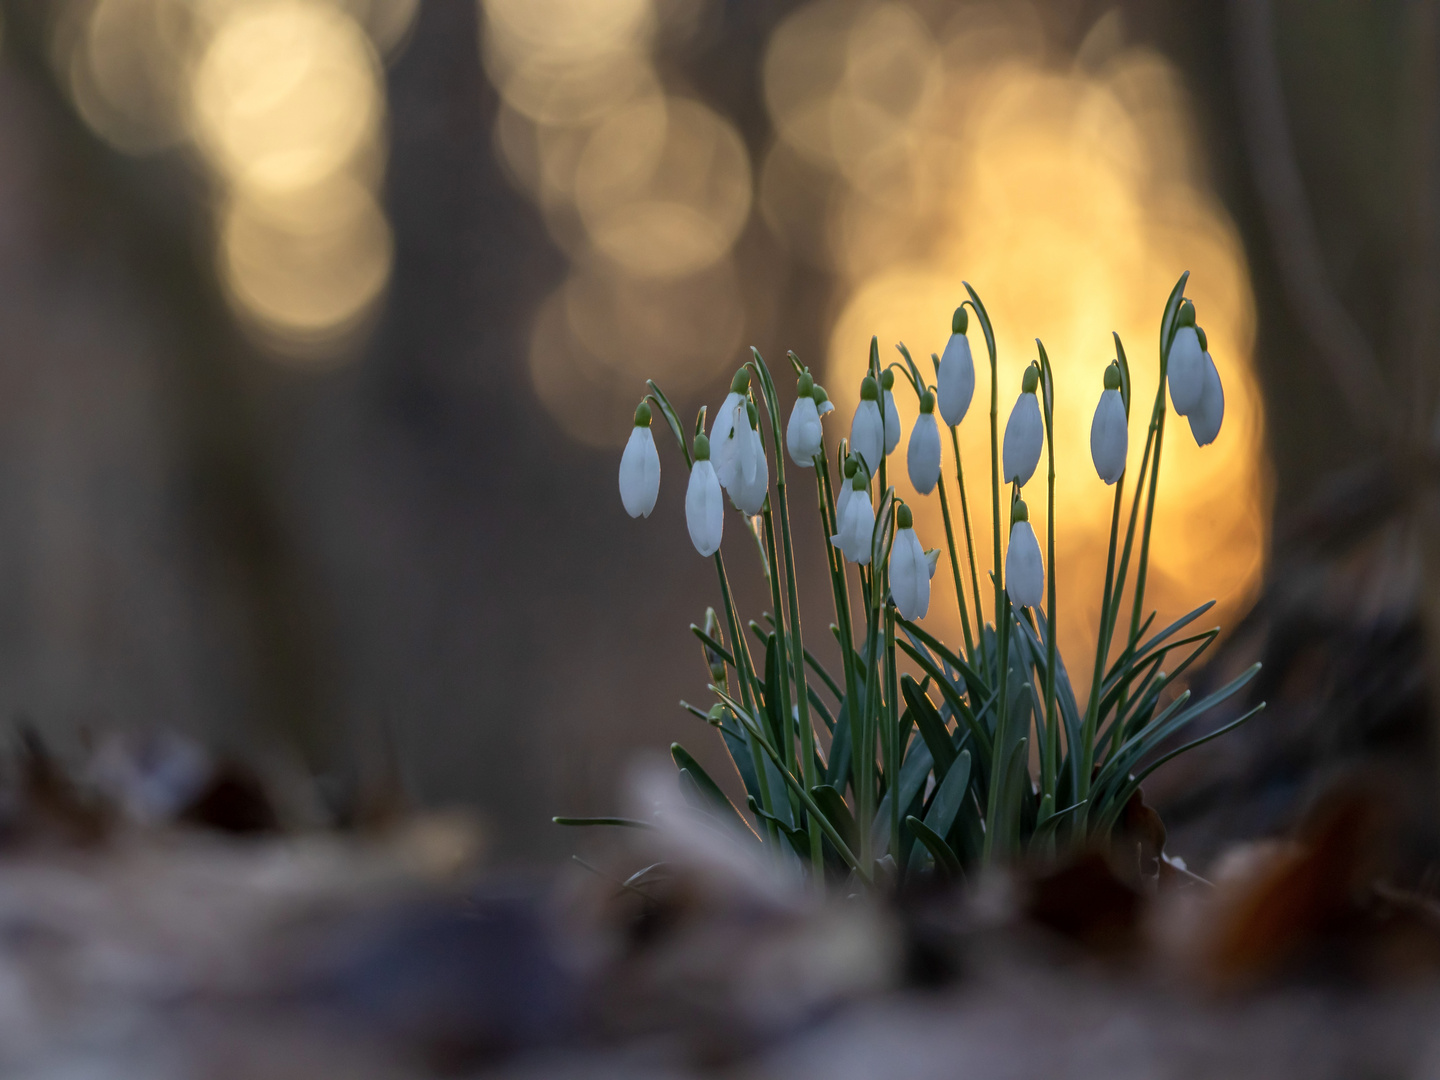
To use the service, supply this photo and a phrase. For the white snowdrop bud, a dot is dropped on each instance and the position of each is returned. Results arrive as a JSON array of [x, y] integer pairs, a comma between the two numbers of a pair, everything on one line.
[[857, 525], [1024, 570], [823, 404], [909, 569], [704, 502], [640, 467], [867, 437], [1206, 417], [1024, 434], [1185, 367], [922, 456], [722, 443], [892, 414], [1110, 430], [803, 435], [955, 380]]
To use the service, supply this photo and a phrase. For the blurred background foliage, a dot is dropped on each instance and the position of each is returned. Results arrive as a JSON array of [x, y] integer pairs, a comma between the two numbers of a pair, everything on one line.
[[324, 320]]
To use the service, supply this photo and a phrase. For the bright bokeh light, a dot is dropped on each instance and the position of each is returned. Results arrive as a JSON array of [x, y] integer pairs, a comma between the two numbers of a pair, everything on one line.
[[647, 192], [913, 156], [285, 100]]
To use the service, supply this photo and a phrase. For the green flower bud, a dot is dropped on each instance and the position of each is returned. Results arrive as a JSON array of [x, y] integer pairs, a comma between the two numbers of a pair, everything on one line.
[[702, 447], [713, 660], [960, 321], [887, 379], [1112, 377], [750, 412], [868, 390], [1204, 344], [927, 402], [851, 467], [642, 415], [806, 386], [1019, 511], [741, 382], [1031, 380], [904, 518], [1186, 315], [860, 483]]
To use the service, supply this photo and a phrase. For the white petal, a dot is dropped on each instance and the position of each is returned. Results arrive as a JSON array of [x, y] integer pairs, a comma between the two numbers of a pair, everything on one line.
[[909, 575], [704, 508], [866, 438], [933, 558], [722, 446], [922, 456], [1024, 571], [1185, 370], [1109, 436], [827, 407], [803, 436], [892, 424], [1024, 439], [639, 473], [955, 382], [1209, 413], [749, 494], [857, 528]]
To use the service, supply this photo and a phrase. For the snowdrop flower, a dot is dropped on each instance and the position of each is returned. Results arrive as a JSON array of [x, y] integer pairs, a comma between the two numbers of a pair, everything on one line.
[[857, 525], [922, 457], [1207, 415], [1110, 430], [823, 404], [847, 489], [955, 378], [640, 467], [1024, 572], [866, 435], [1024, 433], [892, 414], [1185, 367], [744, 473], [704, 503], [803, 436], [722, 445], [909, 569]]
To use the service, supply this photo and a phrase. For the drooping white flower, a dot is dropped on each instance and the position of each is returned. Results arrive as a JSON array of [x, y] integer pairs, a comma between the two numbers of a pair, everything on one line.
[[1185, 367], [1024, 570], [704, 502], [823, 404], [909, 569], [922, 456], [857, 525], [866, 435], [803, 435], [1110, 430], [640, 467], [745, 474], [955, 380], [847, 489], [892, 414], [1024, 433], [722, 444], [1209, 413]]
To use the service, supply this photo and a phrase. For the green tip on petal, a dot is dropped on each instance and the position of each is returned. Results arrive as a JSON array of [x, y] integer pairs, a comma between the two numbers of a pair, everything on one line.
[[1031, 380], [740, 382], [806, 386], [927, 402], [904, 518], [819, 395], [851, 467], [1186, 317], [1112, 377], [868, 390], [1204, 344], [860, 483], [750, 412], [887, 379], [960, 321], [1019, 511], [702, 448], [642, 415]]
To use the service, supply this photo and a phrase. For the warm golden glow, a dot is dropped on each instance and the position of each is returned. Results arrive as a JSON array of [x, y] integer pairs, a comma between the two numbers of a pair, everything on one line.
[[285, 100], [938, 155]]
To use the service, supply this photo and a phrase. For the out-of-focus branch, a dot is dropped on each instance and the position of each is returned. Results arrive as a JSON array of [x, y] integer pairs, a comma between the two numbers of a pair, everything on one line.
[[1334, 335]]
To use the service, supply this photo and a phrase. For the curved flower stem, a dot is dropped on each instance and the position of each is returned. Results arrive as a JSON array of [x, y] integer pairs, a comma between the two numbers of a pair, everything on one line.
[[955, 572], [786, 732], [969, 549], [1050, 752], [894, 751], [1102, 651]]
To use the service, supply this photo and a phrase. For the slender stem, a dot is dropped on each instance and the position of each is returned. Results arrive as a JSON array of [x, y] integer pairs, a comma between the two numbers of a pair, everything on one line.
[[1102, 649], [841, 587], [999, 755], [955, 571], [1050, 752], [892, 733], [970, 549], [1144, 567], [786, 731], [745, 669], [802, 690]]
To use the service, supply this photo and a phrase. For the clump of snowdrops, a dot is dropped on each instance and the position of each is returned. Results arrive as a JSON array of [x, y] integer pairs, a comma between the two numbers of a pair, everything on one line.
[[915, 756]]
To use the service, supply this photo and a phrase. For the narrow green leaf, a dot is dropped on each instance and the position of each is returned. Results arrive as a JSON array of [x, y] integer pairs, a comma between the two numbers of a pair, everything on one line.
[[832, 805], [945, 861], [582, 822]]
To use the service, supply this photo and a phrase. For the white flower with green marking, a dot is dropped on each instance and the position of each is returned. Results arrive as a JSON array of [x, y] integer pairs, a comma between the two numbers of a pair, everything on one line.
[[704, 501], [640, 467]]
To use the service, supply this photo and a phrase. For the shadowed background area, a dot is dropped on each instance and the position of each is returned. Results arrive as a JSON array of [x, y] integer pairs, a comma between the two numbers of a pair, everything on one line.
[[325, 320]]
